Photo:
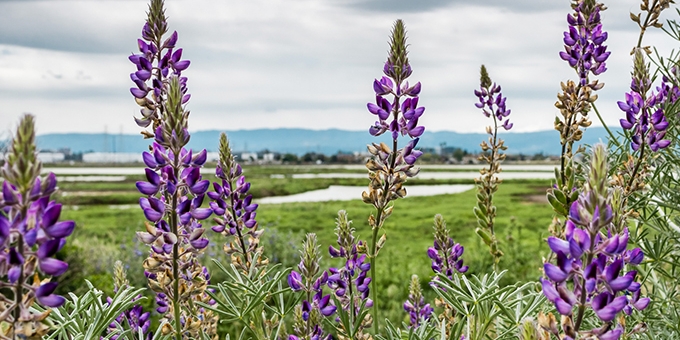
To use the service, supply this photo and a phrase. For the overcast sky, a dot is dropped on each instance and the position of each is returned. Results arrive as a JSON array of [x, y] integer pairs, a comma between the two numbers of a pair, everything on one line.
[[299, 63]]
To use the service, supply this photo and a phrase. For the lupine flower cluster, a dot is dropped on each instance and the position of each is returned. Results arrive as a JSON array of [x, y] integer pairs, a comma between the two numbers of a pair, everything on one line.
[[390, 167], [235, 211], [585, 52], [30, 236], [590, 269], [134, 318], [157, 62], [492, 103], [583, 42], [308, 316], [350, 283], [446, 255], [644, 109], [174, 190], [668, 89], [415, 306]]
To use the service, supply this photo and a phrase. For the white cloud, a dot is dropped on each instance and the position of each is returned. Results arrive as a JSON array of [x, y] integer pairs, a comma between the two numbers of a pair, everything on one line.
[[307, 63]]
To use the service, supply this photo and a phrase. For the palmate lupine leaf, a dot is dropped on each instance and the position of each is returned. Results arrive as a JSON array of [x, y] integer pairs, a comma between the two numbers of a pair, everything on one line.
[[88, 316], [427, 330], [252, 297], [516, 306], [351, 326], [487, 309]]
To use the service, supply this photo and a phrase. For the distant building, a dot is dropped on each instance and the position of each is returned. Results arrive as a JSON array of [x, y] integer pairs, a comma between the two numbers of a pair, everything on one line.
[[111, 157], [51, 157], [213, 157], [248, 157]]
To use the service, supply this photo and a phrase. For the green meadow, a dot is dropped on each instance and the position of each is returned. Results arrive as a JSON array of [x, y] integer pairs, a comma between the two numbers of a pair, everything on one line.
[[107, 217]]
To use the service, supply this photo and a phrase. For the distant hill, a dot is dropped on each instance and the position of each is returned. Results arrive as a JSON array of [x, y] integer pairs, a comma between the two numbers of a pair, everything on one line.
[[300, 141]]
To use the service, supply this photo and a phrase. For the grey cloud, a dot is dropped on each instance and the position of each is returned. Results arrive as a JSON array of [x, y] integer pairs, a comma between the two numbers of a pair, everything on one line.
[[89, 27], [407, 6]]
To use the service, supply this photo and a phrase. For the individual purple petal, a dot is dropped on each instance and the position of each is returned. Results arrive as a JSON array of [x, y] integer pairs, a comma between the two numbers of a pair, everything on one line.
[[137, 93], [52, 266], [295, 281], [558, 245], [614, 334], [200, 243], [13, 274], [554, 273], [622, 282], [549, 291], [201, 214], [60, 229], [147, 188], [642, 303], [45, 296]]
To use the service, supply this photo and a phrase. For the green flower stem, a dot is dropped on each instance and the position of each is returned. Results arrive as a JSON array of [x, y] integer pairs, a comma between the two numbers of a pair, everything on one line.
[[238, 230], [643, 27], [175, 257], [374, 240], [609, 132]]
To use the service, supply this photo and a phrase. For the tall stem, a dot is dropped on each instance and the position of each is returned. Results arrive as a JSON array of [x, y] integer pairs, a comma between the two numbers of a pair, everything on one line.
[[564, 148], [490, 175], [238, 229], [582, 302], [643, 27], [609, 132], [19, 289], [175, 255], [374, 240]]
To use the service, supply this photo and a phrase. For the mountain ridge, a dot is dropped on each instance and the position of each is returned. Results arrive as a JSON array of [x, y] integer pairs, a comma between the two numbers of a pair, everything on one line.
[[300, 141]]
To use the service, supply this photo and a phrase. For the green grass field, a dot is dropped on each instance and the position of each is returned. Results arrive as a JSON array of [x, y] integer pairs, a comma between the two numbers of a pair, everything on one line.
[[107, 222]]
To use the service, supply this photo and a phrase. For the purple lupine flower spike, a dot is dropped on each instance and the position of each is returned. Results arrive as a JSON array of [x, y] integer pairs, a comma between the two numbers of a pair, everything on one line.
[[350, 282], [173, 190], [156, 63], [235, 212], [415, 305], [583, 42], [134, 318], [315, 306], [590, 270], [644, 108], [30, 237], [493, 104], [446, 255], [398, 111]]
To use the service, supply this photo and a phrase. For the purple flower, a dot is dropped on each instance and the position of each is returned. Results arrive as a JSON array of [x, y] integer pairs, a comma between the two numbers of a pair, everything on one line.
[[492, 102], [415, 306], [316, 305], [235, 211], [402, 105], [350, 281], [583, 43], [591, 260], [155, 65], [30, 234], [644, 108], [446, 255], [174, 190]]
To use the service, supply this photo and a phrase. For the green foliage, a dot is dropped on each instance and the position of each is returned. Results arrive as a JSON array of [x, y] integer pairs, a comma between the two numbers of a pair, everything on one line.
[[88, 316], [253, 304], [487, 309]]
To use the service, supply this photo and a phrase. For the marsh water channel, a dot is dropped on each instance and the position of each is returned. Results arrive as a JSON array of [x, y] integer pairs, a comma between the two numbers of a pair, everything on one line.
[[333, 192]]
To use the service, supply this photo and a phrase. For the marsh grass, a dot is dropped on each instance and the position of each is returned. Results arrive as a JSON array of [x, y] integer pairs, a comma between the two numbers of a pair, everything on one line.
[[107, 234]]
